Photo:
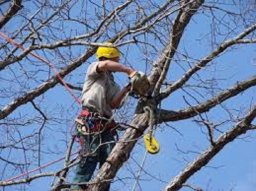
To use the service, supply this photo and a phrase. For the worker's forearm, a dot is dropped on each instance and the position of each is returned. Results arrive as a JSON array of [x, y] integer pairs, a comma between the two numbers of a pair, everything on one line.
[[117, 100], [114, 67]]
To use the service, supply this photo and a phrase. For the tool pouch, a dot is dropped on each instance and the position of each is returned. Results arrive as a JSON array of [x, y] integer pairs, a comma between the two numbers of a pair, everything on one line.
[[88, 123]]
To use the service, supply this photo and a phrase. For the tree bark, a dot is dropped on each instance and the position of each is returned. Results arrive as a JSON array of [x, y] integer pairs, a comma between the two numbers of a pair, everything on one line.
[[15, 7]]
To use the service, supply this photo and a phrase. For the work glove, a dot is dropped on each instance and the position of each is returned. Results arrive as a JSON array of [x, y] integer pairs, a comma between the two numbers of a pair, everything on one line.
[[139, 83]]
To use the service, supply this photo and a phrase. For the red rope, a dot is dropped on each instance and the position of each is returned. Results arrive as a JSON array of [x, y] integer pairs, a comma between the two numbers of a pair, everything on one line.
[[5, 37], [38, 168]]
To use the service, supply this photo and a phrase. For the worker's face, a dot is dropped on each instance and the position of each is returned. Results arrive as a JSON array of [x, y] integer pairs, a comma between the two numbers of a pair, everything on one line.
[[116, 59]]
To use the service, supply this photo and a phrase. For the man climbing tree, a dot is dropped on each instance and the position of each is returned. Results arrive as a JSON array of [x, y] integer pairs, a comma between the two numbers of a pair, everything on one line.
[[100, 95], [200, 59]]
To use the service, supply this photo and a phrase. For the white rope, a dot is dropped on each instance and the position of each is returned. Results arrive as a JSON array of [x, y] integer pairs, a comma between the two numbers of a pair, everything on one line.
[[140, 170]]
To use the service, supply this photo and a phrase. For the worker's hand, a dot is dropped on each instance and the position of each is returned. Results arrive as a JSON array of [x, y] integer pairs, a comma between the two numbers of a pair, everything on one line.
[[139, 83], [128, 87], [132, 74]]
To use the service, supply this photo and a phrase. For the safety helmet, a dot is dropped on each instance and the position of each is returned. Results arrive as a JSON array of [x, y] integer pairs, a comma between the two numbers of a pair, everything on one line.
[[108, 51]]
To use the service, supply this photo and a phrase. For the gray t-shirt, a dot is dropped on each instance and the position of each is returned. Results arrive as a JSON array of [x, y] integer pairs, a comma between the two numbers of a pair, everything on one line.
[[99, 89]]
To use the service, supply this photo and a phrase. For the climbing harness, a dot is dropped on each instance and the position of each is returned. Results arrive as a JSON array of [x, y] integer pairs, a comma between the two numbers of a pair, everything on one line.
[[89, 123]]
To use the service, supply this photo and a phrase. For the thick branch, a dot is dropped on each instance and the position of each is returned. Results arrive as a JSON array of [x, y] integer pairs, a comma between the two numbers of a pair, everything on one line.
[[120, 153], [162, 65], [179, 83], [178, 28], [122, 150], [52, 82], [241, 128], [45, 86], [209, 104], [15, 7]]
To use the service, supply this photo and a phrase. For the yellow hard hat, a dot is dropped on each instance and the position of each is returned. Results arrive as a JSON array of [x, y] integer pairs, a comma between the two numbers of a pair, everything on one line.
[[108, 51]]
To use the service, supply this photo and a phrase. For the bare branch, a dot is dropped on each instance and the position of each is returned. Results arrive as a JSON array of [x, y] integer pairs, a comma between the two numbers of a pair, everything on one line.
[[179, 83], [242, 127], [120, 153], [207, 105], [45, 86], [181, 21], [27, 180], [15, 7]]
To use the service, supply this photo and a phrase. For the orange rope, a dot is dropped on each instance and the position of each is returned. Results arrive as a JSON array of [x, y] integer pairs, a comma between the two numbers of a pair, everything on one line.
[[5, 37], [38, 168]]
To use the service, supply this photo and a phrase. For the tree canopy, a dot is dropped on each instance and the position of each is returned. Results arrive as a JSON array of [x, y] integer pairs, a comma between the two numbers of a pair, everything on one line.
[[199, 57]]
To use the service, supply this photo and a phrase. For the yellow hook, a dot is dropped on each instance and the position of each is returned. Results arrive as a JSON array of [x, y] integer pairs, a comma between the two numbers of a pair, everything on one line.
[[151, 143]]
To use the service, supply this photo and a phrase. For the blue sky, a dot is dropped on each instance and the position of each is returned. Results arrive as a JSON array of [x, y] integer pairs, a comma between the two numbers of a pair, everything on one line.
[[234, 168]]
